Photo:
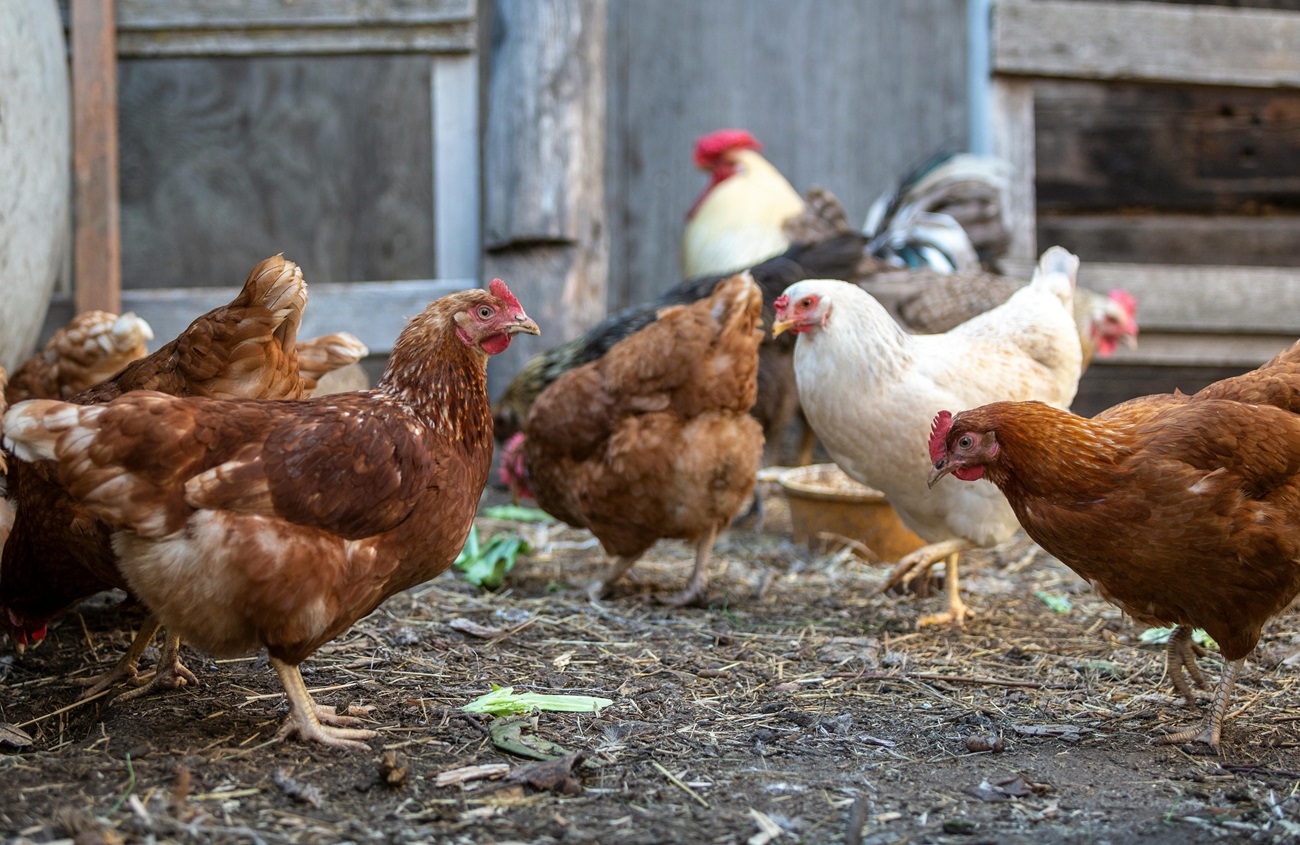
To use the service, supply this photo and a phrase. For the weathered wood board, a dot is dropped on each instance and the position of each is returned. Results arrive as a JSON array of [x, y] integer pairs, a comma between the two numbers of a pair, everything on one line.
[[1153, 238], [842, 93], [227, 161]]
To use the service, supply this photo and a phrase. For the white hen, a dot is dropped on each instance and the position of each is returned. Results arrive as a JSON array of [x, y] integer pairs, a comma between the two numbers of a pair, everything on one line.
[[870, 390]]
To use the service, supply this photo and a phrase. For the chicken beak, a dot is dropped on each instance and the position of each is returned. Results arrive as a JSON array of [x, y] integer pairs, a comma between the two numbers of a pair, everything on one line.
[[523, 323], [781, 326], [941, 468]]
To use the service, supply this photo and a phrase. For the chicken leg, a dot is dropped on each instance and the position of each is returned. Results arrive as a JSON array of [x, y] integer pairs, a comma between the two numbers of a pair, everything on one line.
[[309, 721], [600, 588], [1180, 663], [169, 674], [699, 582], [1211, 726], [915, 563]]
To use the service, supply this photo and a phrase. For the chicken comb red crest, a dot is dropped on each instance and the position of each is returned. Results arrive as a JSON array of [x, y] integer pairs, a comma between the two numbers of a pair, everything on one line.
[[939, 434], [709, 147], [782, 303], [498, 289], [1125, 300]]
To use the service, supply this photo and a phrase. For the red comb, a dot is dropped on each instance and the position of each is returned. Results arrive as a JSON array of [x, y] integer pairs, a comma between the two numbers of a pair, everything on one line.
[[782, 303], [939, 434], [710, 146], [1125, 300], [500, 291]]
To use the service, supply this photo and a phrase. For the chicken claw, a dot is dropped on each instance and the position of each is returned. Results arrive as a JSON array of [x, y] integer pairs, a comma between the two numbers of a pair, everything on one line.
[[1180, 663], [312, 722], [127, 668], [915, 563], [169, 674], [1210, 728], [600, 588], [699, 583]]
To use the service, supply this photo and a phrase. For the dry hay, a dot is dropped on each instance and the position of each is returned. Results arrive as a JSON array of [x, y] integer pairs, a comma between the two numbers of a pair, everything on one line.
[[797, 707]]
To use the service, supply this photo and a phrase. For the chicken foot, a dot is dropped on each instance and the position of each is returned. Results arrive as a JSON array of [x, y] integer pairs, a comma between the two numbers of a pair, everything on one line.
[[1211, 726], [312, 722], [916, 563], [599, 588], [694, 592], [1180, 663], [169, 674]]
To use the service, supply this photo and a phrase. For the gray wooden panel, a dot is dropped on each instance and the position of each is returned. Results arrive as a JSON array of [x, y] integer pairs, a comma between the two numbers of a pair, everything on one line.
[[1267, 241], [155, 28], [847, 94], [226, 161], [1146, 41]]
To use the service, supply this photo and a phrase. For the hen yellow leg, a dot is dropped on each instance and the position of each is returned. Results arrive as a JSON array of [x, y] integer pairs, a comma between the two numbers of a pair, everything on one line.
[[127, 668], [918, 561], [956, 611], [699, 582], [1180, 663], [1211, 727], [309, 721], [599, 588], [169, 674]]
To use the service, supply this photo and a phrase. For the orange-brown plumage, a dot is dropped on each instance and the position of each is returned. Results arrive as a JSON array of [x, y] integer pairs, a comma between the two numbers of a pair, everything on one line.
[[92, 347], [1181, 510], [58, 552], [248, 523], [654, 439]]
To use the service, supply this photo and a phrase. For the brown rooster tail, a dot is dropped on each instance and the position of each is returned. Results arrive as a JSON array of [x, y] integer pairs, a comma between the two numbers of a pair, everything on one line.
[[320, 355], [735, 300]]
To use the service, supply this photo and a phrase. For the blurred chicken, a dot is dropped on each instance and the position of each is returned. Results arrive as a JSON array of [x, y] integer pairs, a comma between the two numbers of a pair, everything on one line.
[[738, 220], [248, 524], [331, 364], [654, 439], [58, 551], [866, 385], [931, 303], [92, 347], [1180, 510]]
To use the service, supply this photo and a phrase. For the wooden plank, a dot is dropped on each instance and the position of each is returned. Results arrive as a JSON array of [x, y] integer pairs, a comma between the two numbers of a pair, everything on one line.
[[155, 28], [1013, 141], [225, 162], [232, 14], [1247, 300], [544, 203], [1105, 146], [98, 245], [376, 312], [1272, 241], [1185, 349], [847, 94], [456, 166], [1153, 42]]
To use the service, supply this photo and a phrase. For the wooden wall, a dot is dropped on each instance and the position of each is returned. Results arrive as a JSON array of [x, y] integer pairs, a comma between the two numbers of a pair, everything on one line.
[[225, 161], [847, 94]]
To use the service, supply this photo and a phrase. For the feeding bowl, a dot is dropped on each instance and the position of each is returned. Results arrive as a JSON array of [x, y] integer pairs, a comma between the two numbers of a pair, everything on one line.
[[826, 503]]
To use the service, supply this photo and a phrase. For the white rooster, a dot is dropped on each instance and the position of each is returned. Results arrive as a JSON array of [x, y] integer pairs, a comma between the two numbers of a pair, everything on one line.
[[869, 389]]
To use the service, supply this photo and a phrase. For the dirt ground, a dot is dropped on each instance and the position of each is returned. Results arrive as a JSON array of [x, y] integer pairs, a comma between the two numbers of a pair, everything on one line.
[[796, 707]]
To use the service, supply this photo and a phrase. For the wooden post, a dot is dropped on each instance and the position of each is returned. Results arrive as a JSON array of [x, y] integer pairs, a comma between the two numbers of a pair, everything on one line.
[[98, 252], [544, 227]]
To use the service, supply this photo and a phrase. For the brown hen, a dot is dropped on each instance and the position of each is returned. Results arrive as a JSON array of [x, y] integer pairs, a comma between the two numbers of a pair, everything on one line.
[[1180, 510], [58, 551], [654, 439], [248, 524]]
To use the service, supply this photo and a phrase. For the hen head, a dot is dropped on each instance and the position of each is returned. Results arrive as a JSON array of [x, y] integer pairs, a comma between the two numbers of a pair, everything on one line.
[[799, 311], [22, 630], [1115, 322], [713, 151], [959, 449], [514, 469], [488, 320]]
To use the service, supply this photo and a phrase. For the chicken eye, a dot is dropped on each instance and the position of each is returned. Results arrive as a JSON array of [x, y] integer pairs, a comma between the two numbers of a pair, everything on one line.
[[807, 303], [965, 442], [484, 312]]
